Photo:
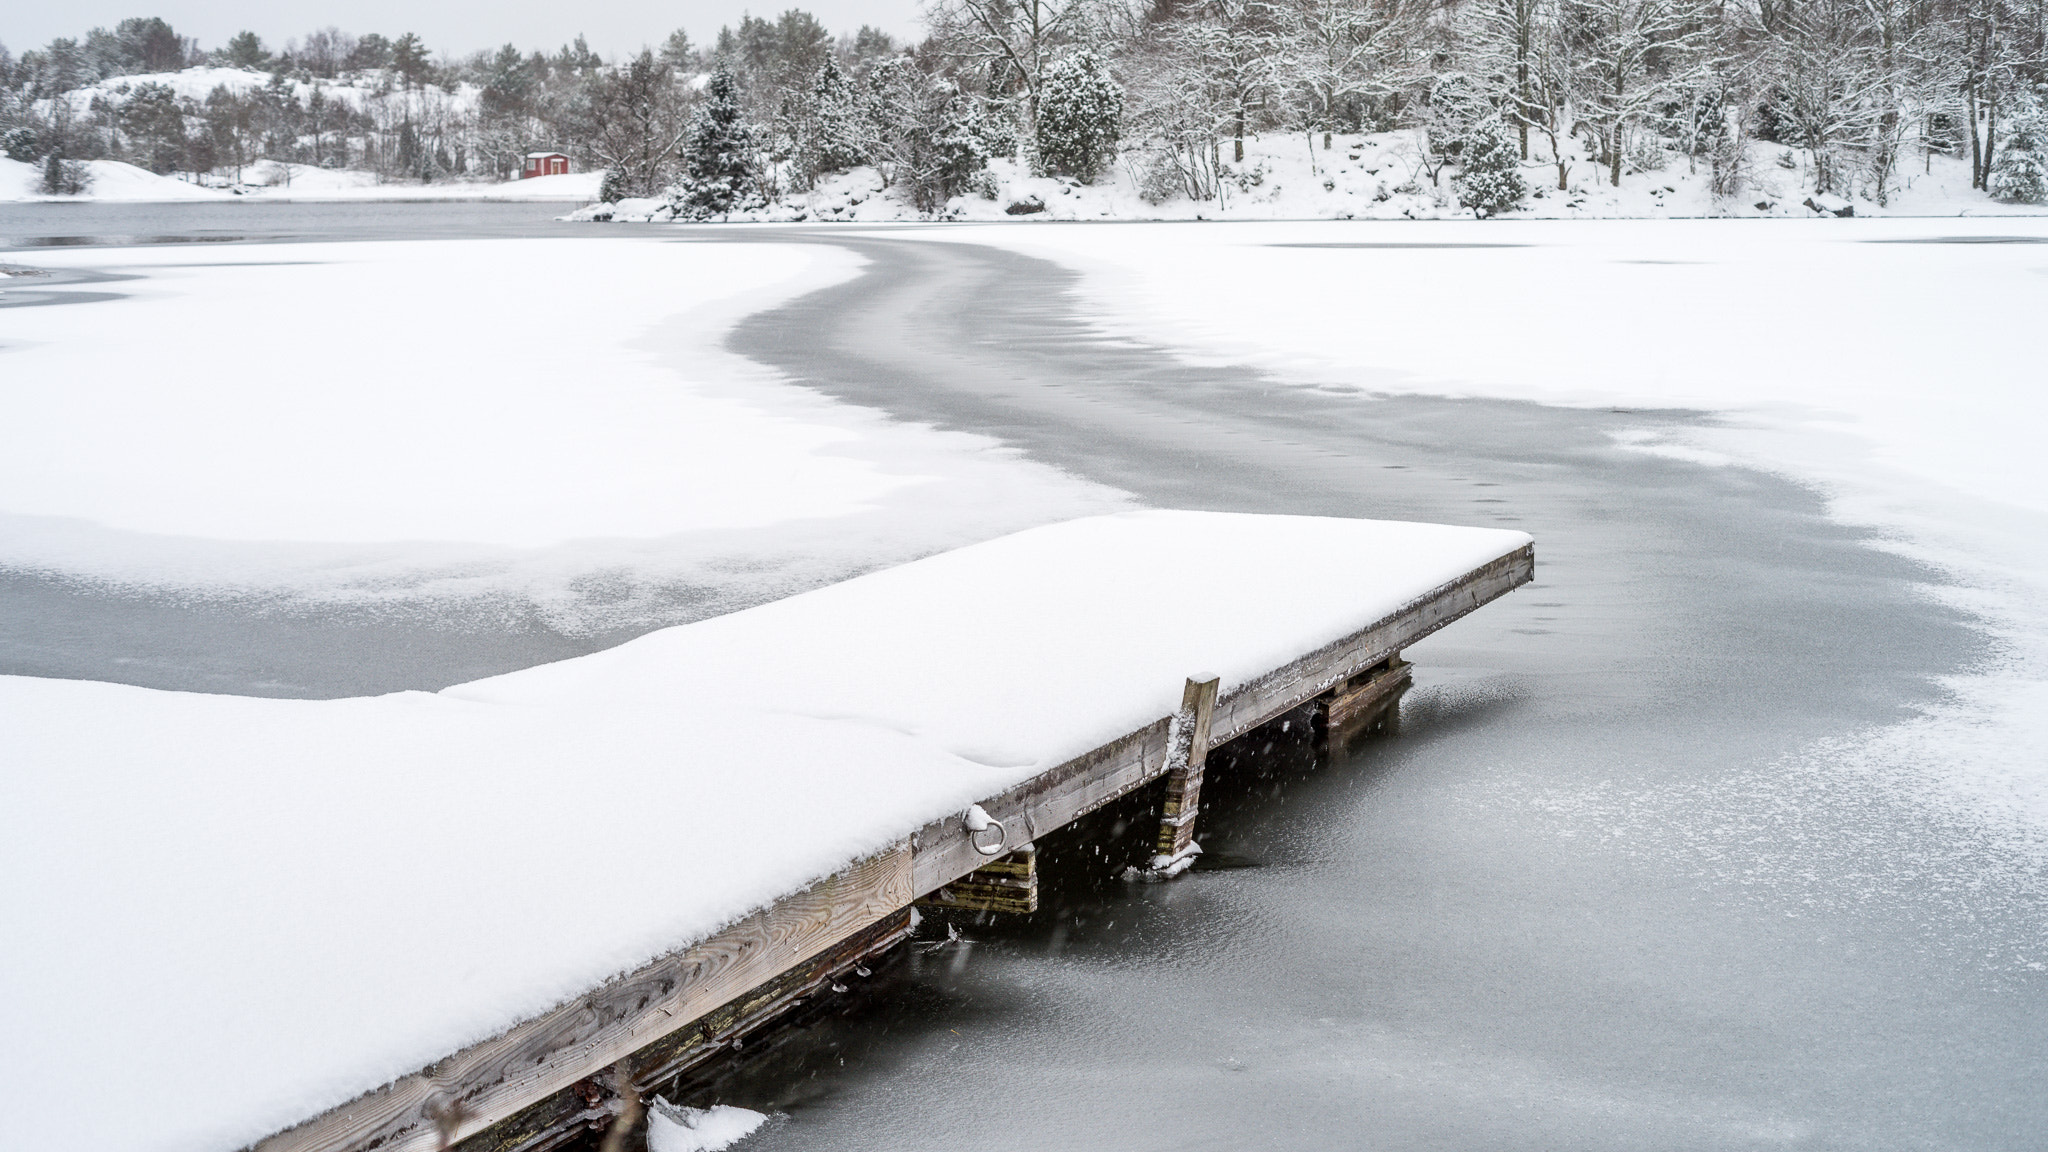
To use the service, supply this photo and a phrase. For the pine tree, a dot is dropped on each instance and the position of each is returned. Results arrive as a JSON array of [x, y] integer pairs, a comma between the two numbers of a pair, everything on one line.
[[718, 173], [1491, 180], [612, 188], [1080, 114], [825, 128], [2020, 173], [842, 137], [20, 143]]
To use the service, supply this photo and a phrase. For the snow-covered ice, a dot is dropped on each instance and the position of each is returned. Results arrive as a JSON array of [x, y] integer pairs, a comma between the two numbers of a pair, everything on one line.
[[1893, 364], [274, 905], [115, 180], [455, 419], [675, 1128]]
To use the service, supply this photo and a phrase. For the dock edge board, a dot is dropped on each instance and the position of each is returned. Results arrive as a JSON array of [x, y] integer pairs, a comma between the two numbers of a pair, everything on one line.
[[489, 1082]]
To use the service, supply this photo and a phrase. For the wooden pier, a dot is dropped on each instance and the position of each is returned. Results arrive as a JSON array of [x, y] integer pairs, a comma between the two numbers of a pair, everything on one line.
[[544, 1081]]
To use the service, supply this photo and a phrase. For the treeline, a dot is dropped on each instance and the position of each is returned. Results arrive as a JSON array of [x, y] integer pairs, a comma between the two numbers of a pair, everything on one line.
[[386, 105], [1498, 91]]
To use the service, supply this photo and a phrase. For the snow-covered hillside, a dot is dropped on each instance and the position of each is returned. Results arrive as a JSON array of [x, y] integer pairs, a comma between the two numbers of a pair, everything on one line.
[[109, 180], [200, 82], [1380, 176]]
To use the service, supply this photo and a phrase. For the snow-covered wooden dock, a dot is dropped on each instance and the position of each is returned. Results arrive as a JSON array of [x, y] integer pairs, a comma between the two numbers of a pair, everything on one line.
[[393, 922]]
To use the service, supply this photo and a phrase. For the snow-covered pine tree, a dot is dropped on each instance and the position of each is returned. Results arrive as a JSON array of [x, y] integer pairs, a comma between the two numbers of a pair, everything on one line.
[[824, 128], [612, 188], [718, 174], [1457, 103], [2019, 175], [1490, 181], [843, 140], [20, 143], [1080, 115]]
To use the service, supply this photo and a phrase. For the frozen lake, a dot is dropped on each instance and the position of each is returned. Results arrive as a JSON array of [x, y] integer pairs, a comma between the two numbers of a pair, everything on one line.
[[1604, 887]]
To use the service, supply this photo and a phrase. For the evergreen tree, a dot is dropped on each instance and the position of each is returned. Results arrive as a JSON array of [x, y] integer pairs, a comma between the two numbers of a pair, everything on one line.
[[825, 128], [1491, 180], [719, 168], [612, 188], [2020, 173], [245, 50], [1080, 115], [20, 143]]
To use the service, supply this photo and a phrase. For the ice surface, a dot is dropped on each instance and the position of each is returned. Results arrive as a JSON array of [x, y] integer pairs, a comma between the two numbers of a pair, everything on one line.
[[461, 419], [304, 899], [276, 180], [1883, 361]]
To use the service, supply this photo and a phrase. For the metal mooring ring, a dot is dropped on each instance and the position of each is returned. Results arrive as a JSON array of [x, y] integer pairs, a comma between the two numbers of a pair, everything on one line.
[[1002, 838]]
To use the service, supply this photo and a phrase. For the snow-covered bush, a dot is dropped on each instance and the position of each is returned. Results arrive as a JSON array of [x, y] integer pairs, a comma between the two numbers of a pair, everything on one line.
[[1456, 105], [718, 172], [935, 143], [1158, 175], [1491, 181], [612, 188], [1080, 115], [63, 177], [2019, 175], [20, 143]]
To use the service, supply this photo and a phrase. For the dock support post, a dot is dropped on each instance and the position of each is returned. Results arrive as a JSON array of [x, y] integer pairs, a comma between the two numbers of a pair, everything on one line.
[[1187, 750], [1006, 884], [1362, 694]]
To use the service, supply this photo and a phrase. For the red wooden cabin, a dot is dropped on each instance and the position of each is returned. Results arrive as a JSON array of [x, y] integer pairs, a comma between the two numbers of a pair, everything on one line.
[[545, 164]]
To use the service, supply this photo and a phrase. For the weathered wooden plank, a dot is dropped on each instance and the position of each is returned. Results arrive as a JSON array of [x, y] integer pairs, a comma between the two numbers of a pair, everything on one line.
[[1052, 799], [1359, 696], [1187, 751], [1252, 704], [1008, 884], [491, 1081], [591, 1103]]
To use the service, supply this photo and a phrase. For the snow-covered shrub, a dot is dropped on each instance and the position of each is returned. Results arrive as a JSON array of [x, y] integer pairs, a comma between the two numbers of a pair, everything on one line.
[[2019, 174], [1080, 115], [20, 143], [612, 188], [1491, 181], [1456, 105], [1158, 175], [936, 140], [63, 177], [718, 173], [1644, 152]]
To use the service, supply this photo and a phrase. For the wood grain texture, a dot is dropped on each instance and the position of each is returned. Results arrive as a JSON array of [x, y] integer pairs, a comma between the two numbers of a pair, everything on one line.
[[491, 1081], [1053, 798], [591, 1103], [1362, 696]]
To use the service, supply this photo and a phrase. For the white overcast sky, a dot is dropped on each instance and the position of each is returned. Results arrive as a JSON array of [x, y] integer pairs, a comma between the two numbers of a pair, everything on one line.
[[455, 26]]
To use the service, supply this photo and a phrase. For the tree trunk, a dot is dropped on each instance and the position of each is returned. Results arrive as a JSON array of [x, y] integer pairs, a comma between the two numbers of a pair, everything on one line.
[[1976, 148], [1990, 142]]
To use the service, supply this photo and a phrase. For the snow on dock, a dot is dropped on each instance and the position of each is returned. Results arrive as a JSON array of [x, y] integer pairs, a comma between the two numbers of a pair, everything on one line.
[[268, 908]]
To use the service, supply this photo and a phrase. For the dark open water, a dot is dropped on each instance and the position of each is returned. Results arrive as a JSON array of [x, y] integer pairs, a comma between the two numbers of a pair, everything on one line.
[[1587, 892]]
